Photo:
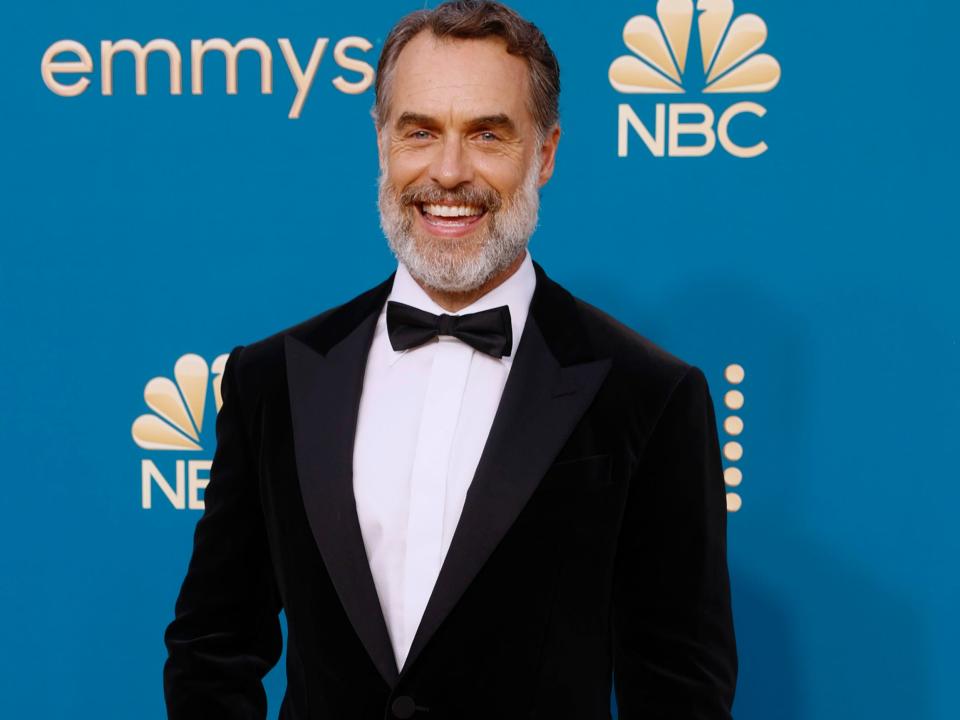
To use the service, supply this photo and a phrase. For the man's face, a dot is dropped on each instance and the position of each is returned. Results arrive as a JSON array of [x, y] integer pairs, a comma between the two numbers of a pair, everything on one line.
[[461, 162]]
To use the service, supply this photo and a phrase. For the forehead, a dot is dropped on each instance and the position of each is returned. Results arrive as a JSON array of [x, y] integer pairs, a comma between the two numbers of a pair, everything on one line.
[[453, 79]]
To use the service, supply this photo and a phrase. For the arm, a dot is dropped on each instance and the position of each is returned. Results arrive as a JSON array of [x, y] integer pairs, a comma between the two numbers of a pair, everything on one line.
[[226, 633], [675, 654]]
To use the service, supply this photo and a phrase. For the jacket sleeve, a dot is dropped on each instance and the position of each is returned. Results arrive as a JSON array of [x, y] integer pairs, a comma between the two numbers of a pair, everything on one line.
[[675, 654], [225, 635]]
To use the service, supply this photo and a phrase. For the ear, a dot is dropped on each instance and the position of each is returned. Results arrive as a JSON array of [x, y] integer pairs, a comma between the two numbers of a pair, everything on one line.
[[548, 154]]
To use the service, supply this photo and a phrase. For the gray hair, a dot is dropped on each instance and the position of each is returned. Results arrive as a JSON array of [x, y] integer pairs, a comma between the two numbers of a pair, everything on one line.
[[474, 19]]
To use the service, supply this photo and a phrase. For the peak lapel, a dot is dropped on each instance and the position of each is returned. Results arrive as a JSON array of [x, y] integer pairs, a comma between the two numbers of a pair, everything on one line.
[[325, 376], [552, 382]]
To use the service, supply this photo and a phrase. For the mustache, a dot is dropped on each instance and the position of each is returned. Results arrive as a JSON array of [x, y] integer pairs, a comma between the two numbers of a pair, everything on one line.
[[485, 198]]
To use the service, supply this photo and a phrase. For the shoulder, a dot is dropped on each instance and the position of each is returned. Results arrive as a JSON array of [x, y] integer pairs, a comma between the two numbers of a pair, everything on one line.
[[625, 345], [630, 352], [643, 374], [265, 356], [577, 331], [260, 366]]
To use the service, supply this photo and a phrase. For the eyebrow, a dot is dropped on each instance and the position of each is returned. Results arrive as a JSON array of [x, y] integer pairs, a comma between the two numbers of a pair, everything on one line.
[[412, 118], [500, 120]]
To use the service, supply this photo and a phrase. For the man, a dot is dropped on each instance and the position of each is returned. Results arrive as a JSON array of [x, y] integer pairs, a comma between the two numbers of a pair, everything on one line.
[[473, 495]]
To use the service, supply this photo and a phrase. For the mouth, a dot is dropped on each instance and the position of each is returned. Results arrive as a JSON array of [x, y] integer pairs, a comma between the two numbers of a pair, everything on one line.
[[449, 220]]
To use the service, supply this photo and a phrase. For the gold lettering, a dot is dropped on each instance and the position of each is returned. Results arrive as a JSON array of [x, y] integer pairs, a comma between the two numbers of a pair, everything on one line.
[[724, 127], [303, 79], [627, 118], [348, 63], [108, 49], [704, 128], [198, 48], [50, 65]]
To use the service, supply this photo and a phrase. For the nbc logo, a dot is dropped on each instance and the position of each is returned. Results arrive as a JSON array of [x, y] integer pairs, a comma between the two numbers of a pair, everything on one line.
[[659, 66], [176, 424]]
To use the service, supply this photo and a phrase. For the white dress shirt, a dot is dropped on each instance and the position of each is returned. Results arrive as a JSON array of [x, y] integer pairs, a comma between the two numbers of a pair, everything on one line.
[[424, 417]]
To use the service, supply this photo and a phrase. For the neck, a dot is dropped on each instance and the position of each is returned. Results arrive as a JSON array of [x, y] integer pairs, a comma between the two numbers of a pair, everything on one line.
[[455, 301]]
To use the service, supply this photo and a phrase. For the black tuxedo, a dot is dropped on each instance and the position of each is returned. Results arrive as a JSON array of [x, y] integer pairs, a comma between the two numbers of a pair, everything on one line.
[[591, 546]]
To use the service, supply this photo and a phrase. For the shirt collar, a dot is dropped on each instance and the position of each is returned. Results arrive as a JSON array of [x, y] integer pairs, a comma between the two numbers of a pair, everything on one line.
[[515, 292]]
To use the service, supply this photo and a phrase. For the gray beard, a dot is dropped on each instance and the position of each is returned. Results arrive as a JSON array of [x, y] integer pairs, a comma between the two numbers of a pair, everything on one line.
[[441, 263]]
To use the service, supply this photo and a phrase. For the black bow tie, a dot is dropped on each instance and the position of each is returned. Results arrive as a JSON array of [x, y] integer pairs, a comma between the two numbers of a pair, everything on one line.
[[488, 331]]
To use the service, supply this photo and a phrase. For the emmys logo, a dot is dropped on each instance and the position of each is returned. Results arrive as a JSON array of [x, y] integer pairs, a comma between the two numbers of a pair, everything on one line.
[[659, 65], [71, 57], [176, 424]]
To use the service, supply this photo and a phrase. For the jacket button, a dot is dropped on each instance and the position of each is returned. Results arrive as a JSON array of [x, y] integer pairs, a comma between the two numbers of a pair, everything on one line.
[[403, 707]]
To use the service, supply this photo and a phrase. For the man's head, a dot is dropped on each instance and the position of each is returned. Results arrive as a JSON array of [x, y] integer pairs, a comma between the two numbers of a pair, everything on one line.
[[467, 130]]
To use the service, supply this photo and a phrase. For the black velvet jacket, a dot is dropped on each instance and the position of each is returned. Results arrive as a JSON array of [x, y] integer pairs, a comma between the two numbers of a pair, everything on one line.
[[591, 548]]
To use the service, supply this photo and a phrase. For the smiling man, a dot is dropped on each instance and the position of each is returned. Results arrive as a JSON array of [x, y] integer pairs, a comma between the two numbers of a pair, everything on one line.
[[473, 494]]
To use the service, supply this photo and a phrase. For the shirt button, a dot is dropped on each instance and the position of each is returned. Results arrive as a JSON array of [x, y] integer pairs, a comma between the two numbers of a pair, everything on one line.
[[403, 707]]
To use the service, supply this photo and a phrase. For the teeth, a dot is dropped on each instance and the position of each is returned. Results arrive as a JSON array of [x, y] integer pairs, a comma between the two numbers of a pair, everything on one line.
[[451, 210]]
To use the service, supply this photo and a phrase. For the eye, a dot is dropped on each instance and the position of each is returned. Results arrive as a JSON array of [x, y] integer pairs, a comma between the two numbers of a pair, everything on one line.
[[488, 136], [420, 135]]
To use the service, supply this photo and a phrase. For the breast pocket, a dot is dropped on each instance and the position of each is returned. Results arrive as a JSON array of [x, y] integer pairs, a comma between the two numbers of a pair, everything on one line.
[[581, 474]]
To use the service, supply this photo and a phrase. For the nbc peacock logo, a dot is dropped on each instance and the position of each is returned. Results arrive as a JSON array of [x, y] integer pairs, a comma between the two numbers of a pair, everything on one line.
[[175, 424], [660, 64]]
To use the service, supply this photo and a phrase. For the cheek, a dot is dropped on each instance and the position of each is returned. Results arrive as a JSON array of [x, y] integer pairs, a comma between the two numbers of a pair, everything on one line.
[[504, 171], [502, 178], [405, 165]]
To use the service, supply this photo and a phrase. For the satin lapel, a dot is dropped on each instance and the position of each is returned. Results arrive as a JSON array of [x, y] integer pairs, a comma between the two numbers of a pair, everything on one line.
[[541, 404], [324, 402]]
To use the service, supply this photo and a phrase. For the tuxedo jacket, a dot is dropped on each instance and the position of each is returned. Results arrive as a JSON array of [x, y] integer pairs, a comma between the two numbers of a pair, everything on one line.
[[590, 554]]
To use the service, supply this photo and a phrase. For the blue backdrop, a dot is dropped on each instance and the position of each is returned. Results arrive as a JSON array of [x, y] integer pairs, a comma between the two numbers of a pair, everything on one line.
[[134, 227]]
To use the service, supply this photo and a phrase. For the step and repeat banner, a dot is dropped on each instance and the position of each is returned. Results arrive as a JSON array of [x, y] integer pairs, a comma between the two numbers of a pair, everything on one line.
[[766, 189]]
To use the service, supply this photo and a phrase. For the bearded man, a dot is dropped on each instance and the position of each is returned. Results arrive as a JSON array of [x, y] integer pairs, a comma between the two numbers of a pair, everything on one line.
[[473, 494]]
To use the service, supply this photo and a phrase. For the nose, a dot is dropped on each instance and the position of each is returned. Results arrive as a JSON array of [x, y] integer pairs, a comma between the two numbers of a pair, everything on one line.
[[451, 165]]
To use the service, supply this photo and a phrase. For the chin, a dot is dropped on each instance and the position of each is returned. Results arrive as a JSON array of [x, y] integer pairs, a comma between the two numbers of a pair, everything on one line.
[[448, 251], [449, 274]]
